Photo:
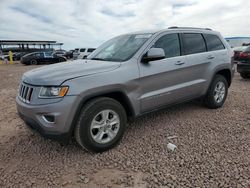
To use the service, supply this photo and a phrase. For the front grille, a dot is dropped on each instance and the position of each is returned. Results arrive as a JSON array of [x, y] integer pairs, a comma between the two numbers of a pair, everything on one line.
[[25, 92]]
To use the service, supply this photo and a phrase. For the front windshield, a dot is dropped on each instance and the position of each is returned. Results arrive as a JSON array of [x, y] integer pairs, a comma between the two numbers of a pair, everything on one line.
[[120, 48]]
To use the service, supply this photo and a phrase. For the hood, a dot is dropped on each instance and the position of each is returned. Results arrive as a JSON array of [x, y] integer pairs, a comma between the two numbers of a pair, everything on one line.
[[56, 74]]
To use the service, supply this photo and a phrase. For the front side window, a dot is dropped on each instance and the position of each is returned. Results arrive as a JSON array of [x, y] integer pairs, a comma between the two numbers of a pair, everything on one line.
[[120, 48], [39, 54], [193, 43], [82, 50], [213, 42], [170, 44]]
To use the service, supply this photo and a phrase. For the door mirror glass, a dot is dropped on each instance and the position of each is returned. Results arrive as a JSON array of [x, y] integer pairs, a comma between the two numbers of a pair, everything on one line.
[[154, 54]]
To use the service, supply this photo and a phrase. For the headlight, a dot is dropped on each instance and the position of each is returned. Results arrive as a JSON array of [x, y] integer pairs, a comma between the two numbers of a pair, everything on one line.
[[54, 91]]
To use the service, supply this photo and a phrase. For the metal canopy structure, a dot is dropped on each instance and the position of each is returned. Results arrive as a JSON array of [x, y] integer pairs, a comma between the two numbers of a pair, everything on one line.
[[27, 45]]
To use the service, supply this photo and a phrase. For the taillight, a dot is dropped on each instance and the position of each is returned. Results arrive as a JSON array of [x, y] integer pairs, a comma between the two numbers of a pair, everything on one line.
[[244, 55]]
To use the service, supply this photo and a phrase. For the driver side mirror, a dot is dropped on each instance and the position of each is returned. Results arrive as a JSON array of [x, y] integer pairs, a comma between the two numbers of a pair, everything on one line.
[[154, 54]]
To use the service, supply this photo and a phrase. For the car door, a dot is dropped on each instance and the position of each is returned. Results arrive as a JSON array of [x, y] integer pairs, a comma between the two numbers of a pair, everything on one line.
[[217, 53], [168, 80], [40, 57], [200, 62], [48, 57]]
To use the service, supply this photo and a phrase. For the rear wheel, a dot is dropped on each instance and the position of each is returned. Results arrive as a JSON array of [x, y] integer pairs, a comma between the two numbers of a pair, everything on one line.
[[101, 124], [217, 92], [61, 60], [245, 75], [33, 62]]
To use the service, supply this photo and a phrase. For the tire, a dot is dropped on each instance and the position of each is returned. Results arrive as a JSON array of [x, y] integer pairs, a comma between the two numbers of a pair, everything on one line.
[[245, 75], [33, 62], [61, 60], [85, 133], [212, 100]]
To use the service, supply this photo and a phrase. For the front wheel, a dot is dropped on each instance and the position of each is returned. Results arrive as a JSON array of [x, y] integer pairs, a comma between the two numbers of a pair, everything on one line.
[[101, 124], [217, 92]]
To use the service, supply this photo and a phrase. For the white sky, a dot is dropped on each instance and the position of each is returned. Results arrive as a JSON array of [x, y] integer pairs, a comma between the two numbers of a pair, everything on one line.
[[82, 23]]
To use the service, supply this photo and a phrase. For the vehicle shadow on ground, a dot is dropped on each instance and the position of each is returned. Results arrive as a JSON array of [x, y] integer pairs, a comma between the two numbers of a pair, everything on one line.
[[245, 80], [38, 144]]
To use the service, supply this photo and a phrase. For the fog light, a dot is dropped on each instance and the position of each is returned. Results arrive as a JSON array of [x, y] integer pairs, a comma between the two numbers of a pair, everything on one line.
[[49, 118]]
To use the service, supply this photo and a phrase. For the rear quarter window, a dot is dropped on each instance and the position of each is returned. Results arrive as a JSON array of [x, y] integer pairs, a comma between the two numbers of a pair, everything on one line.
[[213, 42], [193, 43]]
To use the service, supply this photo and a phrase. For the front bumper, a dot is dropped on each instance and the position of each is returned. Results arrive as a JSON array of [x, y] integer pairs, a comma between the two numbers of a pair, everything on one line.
[[59, 127], [243, 68]]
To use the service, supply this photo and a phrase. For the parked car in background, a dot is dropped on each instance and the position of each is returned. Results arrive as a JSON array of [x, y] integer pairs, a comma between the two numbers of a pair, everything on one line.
[[243, 65], [18, 55], [36, 58], [75, 53], [69, 54], [237, 51], [60, 52], [126, 77], [4, 57], [82, 53]]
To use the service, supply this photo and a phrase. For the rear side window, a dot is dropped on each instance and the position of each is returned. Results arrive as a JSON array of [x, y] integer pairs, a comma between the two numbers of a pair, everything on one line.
[[82, 50], [170, 44], [193, 43], [91, 49], [213, 42], [48, 53]]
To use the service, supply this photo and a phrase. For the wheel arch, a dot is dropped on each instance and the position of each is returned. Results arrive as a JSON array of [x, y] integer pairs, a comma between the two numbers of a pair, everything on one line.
[[117, 95], [227, 74]]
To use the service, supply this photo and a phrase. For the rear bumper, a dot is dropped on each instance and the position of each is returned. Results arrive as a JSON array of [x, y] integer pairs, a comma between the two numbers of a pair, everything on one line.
[[243, 68]]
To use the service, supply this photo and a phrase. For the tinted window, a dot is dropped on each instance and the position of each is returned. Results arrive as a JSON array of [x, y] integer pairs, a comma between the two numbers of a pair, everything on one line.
[[82, 50], [48, 53], [170, 44], [39, 54], [91, 49], [193, 43], [213, 42]]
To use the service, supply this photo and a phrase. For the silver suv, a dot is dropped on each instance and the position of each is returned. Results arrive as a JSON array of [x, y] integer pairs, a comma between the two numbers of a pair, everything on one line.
[[126, 77]]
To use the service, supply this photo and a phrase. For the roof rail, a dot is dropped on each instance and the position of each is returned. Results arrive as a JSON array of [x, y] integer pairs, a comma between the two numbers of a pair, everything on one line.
[[175, 27]]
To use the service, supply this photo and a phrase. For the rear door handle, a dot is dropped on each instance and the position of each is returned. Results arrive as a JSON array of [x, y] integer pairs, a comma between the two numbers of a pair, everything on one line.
[[179, 63], [210, 57]]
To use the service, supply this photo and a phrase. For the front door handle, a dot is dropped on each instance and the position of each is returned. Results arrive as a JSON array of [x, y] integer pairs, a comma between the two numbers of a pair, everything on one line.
[[210, 57], [179, 63]]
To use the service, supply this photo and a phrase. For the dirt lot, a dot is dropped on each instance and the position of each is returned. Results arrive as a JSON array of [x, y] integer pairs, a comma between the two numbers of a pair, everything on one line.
[[213, 147]]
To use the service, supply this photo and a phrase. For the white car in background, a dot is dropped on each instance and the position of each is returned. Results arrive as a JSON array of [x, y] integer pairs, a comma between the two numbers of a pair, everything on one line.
[[82, 53]]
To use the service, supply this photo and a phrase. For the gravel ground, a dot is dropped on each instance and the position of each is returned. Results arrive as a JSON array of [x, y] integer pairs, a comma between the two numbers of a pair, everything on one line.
[[213, 147]]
